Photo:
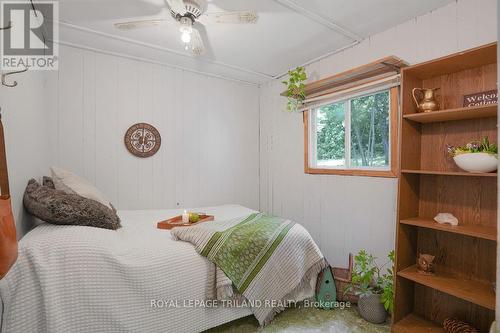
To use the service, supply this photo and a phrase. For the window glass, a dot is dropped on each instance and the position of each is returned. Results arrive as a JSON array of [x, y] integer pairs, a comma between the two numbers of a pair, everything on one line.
[[352, 134], [370, 131], [330, 135]]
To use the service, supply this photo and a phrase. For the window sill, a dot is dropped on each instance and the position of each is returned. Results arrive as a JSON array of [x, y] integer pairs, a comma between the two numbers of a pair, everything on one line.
[[351, 172]]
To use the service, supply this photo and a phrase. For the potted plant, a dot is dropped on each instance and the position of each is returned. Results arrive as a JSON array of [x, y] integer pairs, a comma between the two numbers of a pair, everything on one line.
[[374, 287], [479, 157], [295, 88]]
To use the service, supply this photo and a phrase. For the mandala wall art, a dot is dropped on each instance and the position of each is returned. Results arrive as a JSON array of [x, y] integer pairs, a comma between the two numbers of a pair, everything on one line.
[[142, 140]]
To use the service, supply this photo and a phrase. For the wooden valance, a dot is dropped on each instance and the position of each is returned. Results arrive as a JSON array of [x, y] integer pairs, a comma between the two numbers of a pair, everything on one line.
[[370, 72]]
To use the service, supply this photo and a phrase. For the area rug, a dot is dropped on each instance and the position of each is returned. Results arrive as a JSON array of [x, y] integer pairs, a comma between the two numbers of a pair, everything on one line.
[[295, 320]]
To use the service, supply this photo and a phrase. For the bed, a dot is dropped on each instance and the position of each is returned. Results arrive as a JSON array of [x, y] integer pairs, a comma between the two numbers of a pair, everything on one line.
[[81, 279]]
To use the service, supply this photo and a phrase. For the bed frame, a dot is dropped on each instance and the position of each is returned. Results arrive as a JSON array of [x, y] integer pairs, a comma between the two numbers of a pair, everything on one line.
[[8, 239]]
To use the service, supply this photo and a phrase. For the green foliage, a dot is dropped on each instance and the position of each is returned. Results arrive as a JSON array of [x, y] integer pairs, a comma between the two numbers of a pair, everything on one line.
[[330, 132], [387, 284], [365, 274], [369, 130], [367, 278], [474, 147], [295, 88]]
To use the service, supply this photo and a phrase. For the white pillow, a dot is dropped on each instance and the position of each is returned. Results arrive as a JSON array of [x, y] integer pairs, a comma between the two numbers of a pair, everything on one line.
[[68, 182]]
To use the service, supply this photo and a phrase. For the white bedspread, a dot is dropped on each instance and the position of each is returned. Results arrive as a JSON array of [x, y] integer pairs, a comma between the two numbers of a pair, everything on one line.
[[81, 279]]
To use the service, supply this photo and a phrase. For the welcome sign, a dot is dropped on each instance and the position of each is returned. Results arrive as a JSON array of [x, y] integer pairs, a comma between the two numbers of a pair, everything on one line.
[[482, 98]]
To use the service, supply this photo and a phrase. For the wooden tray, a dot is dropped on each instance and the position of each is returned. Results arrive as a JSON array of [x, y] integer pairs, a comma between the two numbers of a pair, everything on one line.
[[177, 222]]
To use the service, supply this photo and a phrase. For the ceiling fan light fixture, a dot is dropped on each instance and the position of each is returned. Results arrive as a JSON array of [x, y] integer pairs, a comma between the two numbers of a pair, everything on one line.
[[186, 37], [186, 29]]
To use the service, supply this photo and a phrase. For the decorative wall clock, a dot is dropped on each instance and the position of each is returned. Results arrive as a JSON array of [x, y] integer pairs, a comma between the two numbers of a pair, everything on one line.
[[142, 140]]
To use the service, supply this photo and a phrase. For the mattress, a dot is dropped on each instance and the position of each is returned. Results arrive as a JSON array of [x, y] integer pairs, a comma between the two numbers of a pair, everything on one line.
[[136, 279]]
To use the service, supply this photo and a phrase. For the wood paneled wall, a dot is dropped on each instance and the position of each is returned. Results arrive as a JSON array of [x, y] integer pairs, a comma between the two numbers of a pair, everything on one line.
[[26, 132], [345, 214], [209, 127]]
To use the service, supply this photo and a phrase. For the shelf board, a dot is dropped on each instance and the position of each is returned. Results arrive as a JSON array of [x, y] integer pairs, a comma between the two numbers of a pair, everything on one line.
[[479, 231], [449, 173], [469, 59], [416, 324], [476, 292], [482, 111]]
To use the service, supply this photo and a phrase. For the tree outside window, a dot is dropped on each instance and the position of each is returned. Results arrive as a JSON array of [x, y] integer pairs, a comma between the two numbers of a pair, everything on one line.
[[354, 133]]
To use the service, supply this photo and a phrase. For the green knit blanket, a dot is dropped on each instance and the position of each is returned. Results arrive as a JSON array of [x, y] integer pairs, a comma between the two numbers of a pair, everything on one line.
[[242, 250], [267, 260]]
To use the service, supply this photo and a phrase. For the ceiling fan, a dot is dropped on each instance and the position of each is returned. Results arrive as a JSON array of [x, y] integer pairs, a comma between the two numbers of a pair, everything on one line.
[[186, 14]]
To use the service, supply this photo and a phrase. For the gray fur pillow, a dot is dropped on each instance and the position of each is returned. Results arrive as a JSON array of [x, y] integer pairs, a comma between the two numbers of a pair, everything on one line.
[[57, 207], [47, 181]]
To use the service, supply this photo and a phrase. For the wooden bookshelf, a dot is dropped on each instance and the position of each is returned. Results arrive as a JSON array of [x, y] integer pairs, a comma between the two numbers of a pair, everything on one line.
[[454, 63], [415, 324], [472, 230], [482, 111], [431, 183], [476, 292]]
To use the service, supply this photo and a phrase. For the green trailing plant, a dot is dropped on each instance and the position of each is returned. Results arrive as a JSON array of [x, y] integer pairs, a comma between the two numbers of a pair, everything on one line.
[[474, 147], [295, 88], [368, 278]]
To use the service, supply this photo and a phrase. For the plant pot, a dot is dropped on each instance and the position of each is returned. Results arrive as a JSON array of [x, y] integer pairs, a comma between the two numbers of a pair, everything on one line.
[[476, 162], [371, 309]]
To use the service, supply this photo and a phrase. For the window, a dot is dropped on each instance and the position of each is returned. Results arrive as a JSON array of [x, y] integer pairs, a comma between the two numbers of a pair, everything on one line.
[[353, 136]]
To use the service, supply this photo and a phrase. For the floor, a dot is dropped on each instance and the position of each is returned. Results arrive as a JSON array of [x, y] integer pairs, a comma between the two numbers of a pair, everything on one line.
[[306, 320]]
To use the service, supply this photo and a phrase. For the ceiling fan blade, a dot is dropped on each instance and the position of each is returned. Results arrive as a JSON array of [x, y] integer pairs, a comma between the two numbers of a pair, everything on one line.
[[197, 45], [242, 17], [200, 43], [177, 6], [130, 25]]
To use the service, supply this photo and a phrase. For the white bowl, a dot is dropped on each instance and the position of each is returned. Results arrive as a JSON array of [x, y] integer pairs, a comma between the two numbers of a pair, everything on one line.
[[477, 162]]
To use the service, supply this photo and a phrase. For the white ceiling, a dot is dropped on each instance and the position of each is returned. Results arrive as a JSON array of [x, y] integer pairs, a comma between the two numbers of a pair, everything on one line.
[[288, 33]]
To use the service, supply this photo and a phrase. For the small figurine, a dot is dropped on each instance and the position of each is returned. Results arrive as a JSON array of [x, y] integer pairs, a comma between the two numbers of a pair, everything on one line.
[[425, 264]]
